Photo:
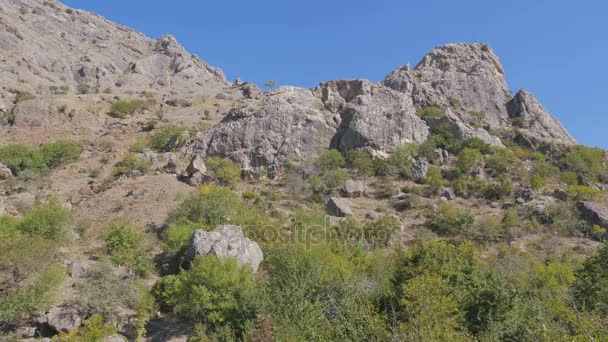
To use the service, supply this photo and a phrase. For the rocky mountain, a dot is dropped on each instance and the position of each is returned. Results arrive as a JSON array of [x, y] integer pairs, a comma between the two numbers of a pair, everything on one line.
[[46, 46]]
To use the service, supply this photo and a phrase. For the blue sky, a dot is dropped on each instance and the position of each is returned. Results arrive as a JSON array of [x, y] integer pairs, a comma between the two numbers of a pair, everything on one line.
[[557, 49]]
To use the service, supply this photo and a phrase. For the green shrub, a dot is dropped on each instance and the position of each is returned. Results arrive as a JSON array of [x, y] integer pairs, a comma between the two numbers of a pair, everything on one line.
[[401, 160], [330, 160], [360, 162], [102, 292], [20, 303], [84, 88], [434, 179], [585, 161], [583, 193], [223, 170], [379, 232], [169, 138], [590, 289], [537, 181], [20, 158], [477, 144], [131, 163], [60, 152], [20, 97], [215, 292], [94, 329], [569, 177], [468, 161], [61, 90], [51, 222], [502, 161], [430, 112], [450, 220], [122, 109], [125, 243]]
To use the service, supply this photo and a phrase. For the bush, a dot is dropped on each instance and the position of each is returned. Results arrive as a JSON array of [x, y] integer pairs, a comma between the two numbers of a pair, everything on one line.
[[585, 161], [360, 162], [477, 144], [122, 109], [19, 304], [84, 88], [60, 152], [223, 170], [468, 161], [94, 330], [215, 292], [451, 220], [401, 160], [583, 193], [50, 222], [125, 243], [590, 289], [101, 292], [569, 177], [379, 232], [537, 181], [20, 158], [330, 160], [129, 164], [502, 161], [169, 138], [434, 179], [430, 112]]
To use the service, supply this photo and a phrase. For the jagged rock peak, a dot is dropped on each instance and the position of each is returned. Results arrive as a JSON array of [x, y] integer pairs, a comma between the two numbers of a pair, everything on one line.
[[464, 77], [536, 122]]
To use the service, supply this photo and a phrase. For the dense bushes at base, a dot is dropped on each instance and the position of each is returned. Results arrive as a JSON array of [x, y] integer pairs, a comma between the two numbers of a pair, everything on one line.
[[20, 158]]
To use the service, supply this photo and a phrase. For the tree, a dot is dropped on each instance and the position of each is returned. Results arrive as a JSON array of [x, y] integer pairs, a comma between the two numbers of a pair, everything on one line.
[[223, 170], [360, 162], [330, 160], [468, 160]]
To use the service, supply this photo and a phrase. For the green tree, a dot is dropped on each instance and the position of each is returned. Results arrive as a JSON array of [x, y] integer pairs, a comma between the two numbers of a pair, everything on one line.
[[223, 170], [361, 162], [434, 179], [270, 84], [169, 138], [431, 315], [125, 243], [330, 160], [452, 220], [586, 161], [20, 158], [60, 152], [468, 160]]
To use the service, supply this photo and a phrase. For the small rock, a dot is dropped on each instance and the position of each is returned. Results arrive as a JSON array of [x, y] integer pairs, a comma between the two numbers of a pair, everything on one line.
[[520, 200], [338, 207], [526, 194], [494, 205], [449, 194], [372, 215], [560, 194], [507, 206], [443, 199], [114, 338], [78, 267], [420, 167], [5, 172], [353, 188], [197, 165], [27, 331]]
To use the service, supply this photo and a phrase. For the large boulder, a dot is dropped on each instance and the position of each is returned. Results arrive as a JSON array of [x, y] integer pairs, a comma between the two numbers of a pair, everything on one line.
[[338, 207], [594, 213], [64, 318], [261, 134], [225, 241], [465, 77], [353, 188], [460, 130], [20, 201], [537, 124], [372, 116]]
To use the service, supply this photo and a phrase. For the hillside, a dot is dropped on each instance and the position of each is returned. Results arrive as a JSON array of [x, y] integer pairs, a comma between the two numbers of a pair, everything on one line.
[[143, 196]]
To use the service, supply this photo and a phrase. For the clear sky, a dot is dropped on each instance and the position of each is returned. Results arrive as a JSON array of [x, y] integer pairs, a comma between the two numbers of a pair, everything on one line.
[[556, 49]]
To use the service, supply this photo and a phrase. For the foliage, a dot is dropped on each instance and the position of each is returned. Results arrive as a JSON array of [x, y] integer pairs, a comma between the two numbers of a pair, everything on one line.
[[585, 161], [537, 181], [19, 158], [590, 289], [50, 222], [129, 164], [450, 220], [21, 303], [94, 329], [502, 161], [60, 152], [213, 292], [434, 179], [330, 160], [123, 108], [169, 138], [468, 160], [401, 160], [583, 193], [360, 162], [84, 88], [102, 292], [125, 243], [430, 112], [223, 170], [430, 313]]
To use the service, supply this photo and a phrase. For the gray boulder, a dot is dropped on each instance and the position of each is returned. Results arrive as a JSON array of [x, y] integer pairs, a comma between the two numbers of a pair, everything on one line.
[[20, 201], [372, 116], [225, 241], [537, 124], [338, 207], [353, 188], [5, 172], [420, 167], [449, 194], [79, 267], [64, 318], [465, 77], [594, 213], [461, 130]]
